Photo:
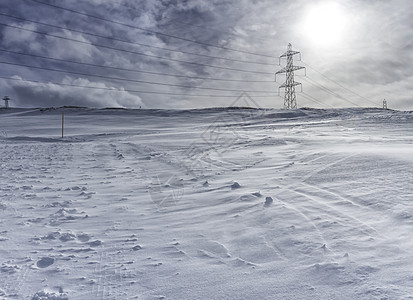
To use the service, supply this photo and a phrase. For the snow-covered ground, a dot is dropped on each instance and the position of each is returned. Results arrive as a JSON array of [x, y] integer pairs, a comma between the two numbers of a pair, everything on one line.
[[206, 204]]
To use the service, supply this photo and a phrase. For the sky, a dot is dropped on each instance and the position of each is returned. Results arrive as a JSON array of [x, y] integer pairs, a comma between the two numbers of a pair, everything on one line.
[[205, 53]]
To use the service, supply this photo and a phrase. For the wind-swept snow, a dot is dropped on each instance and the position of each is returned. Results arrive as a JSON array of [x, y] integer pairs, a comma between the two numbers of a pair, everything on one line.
[[206, 204]]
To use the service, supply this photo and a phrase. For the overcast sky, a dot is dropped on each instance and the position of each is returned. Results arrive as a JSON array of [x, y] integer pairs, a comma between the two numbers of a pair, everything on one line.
[[204, 53]]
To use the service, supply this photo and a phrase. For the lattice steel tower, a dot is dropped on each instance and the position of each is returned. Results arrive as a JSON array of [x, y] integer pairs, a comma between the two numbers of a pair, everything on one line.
[[290, 101], [6, 100]]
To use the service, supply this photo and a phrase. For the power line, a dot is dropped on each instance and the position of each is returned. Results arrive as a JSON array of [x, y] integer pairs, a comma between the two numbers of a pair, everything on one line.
[[132, 70], [340, 85], [203, 27], [152, 31], [133, 52], [130, 80], [134, 43], [131, 91], [329, 91], [311, 98], [185, 25]]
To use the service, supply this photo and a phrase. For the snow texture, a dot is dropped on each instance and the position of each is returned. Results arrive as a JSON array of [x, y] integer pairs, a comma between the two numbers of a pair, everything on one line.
[[206, 204]]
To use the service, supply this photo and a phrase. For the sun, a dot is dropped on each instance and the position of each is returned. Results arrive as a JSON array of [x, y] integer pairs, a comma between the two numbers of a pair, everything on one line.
[[324, 24]]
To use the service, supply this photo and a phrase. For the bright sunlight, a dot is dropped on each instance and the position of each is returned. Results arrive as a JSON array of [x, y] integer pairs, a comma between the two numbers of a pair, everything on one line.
[[324, 24]]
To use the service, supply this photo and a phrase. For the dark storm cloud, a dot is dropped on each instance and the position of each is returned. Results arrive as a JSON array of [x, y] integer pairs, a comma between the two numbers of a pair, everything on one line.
[[372, 58]]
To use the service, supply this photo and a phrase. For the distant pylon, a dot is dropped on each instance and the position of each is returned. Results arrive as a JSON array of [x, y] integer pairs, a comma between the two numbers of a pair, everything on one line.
[[384, 104], [6, 101], [290, 101]]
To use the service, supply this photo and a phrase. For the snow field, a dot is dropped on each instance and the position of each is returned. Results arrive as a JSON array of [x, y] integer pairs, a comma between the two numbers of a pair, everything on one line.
[[175, 204]]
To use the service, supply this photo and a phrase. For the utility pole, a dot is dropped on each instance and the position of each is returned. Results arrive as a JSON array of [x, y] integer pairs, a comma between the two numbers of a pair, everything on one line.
[[6, 101], [63, 123], [290, 101]]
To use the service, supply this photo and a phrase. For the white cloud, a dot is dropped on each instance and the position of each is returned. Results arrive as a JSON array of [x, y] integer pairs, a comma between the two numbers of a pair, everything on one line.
[[69, 49], [14, 38], [96, 94]]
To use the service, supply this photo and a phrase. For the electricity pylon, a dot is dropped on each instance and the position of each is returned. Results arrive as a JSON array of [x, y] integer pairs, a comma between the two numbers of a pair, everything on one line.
[[290, 101], [6, 101], [384, 104]]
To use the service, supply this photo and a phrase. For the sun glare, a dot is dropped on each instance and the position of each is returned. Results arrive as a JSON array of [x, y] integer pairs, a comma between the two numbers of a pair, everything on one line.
[[324, 24]]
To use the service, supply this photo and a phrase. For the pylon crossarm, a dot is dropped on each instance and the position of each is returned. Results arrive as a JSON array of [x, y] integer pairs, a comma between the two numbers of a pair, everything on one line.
[[296, 68], [289, 84], [283, 70], [289, 69], [289, 53]]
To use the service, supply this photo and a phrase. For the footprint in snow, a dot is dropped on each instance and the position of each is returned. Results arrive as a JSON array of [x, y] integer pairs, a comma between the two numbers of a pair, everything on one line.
[[257, 194], [45, 262], [235, 185], [268, 201]]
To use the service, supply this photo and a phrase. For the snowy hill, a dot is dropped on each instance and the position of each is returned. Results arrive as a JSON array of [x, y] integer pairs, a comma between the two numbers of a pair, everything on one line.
[[206, 204]]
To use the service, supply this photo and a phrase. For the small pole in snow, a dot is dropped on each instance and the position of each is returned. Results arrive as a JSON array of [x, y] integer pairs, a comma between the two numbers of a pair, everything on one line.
[[63, 122]]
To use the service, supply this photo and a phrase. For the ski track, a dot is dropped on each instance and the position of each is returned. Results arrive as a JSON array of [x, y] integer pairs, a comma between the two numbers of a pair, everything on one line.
[[334, 212]]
